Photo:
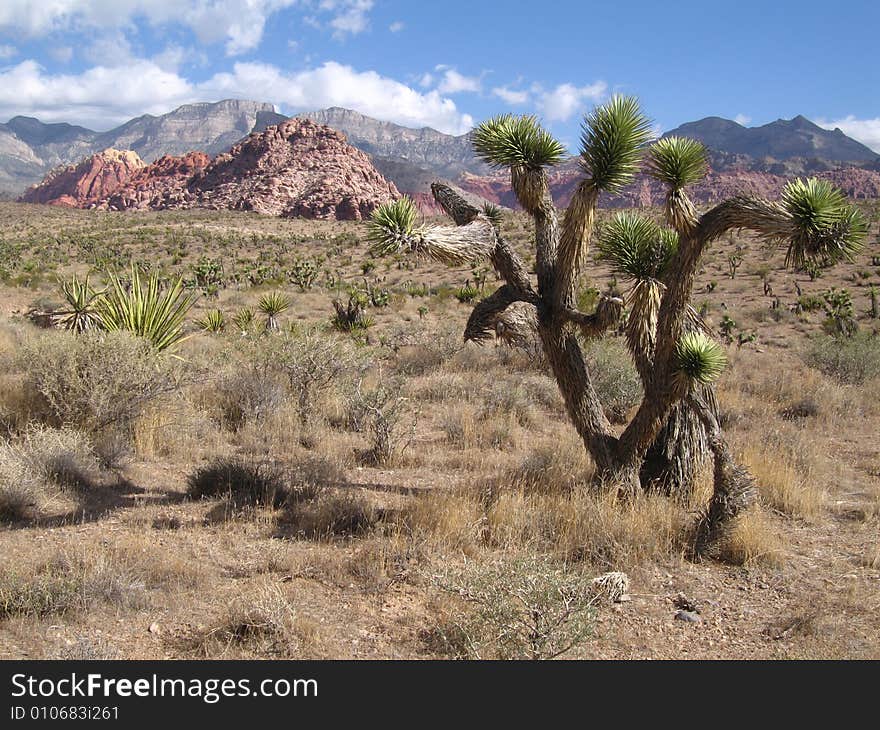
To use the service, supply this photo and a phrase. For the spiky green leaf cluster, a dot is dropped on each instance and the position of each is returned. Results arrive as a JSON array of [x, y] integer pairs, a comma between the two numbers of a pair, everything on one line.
[[516, 141], [637, 247], [677, 161], [826, 227], [82, 313], [612, 142], [698, 358], [273, 303], [213, 321], [154, 310], [389, 223], [493, 213]]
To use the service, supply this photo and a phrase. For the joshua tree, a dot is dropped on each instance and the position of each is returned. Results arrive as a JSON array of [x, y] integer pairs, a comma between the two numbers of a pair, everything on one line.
[[812, 219]]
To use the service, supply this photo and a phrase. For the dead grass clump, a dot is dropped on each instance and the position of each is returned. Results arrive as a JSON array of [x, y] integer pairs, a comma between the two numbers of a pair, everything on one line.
[[589, 526], [39, 464], [262, 623], [247, 397], [334, 513], [751, 541], [550, 467], [448, 521], [242, 482], [783, 484]]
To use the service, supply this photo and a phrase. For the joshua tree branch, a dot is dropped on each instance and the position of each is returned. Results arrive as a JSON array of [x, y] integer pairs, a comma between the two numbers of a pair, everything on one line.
[[507, 263], [483, 322], [607, 315], [577, 228], [767, 219]]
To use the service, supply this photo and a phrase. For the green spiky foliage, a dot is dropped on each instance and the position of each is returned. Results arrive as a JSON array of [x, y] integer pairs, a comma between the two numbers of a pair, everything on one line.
[[637, 247], [244, 320], [698, 359], [273, 304], [389, 224], [677, 161], [516, 141], [493, 213], [612, 142], [154, 310], [82, 313], [826, 227], [213, 321]]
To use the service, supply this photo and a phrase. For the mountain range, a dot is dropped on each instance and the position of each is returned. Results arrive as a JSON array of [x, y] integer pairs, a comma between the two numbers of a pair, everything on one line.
[[756, 159]]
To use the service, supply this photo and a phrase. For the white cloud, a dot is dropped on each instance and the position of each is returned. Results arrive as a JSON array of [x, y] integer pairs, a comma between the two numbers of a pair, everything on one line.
[[511, 96], [866, 131], [104, 96], [237, 23], [455, 83], [396, 26], [742, 119], [8, 52], [426, 81], [350, 16], [560, 104]]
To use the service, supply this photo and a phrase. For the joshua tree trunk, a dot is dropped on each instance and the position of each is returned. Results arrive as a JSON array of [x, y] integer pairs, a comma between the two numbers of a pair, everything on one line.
[[671, 348]]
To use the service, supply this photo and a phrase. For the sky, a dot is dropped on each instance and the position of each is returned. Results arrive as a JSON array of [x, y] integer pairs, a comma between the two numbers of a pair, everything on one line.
[[445, 65]]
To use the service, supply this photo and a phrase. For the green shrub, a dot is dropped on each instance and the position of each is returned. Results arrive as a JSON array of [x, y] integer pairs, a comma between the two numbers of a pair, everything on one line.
[[614, 377], [847, 359]]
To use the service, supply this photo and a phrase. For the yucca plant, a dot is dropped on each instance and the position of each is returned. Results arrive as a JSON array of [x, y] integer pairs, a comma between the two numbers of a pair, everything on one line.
[[681, 359], [273, 304], [151, 309], [213, 321], [81, 314], [244, 320]]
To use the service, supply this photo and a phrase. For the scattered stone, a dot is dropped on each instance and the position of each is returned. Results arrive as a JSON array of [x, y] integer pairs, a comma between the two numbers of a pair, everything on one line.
[[155, 628], [691, 617]]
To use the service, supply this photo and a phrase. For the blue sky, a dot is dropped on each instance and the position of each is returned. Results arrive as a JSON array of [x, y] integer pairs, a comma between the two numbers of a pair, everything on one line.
[[445, 65]]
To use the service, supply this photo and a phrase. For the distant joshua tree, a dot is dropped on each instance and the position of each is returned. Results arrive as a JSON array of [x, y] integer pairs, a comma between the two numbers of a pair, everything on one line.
[[676, 424]]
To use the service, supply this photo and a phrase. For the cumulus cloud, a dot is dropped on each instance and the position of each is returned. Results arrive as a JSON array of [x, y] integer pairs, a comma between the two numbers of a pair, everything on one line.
[[350, 16], [866, 131], [7, 52], [560, 104], [396, 26], [104, 96], [237, 23], [511, 96], [742, 119], [452, 82]]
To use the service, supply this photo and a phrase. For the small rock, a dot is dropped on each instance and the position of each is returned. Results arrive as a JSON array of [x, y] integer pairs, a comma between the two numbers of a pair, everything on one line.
[[155, 628], [691, 617]]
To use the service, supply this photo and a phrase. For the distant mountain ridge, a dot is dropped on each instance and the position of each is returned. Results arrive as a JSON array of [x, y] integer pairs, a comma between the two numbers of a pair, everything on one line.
[[412, 158], [30, 149], [783, 139]]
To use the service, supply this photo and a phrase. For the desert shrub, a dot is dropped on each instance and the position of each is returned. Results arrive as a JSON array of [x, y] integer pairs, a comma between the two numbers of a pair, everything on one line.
[[614, 377], [506, 397], [385, 416], [308, 476], [847, 359], [247, 396], [549, 468], [38, 462], [309, 361], [513, 608], [418, 351], [95, 382], [242, 482]]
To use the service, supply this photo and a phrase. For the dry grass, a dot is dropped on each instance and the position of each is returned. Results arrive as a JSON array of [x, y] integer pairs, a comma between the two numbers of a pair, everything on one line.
[[752, 541], [783, 484]]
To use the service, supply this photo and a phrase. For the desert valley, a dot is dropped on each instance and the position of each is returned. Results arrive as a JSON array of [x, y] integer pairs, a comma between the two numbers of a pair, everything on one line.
[[257, 404]]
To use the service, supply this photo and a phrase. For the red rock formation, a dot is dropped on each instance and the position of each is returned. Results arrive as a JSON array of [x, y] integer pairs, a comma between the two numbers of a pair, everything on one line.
[[84, 184], [159, 185], [296, 168]]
